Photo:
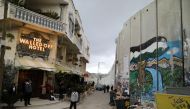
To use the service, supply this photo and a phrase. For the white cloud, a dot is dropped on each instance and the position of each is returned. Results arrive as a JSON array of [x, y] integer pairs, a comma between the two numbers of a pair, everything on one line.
[[102, 21]]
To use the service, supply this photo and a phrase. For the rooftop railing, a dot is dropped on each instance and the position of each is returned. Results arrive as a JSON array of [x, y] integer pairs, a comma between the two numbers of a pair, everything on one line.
[[28, 16]]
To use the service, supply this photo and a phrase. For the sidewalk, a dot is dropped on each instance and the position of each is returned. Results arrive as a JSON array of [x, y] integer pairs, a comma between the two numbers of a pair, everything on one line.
[[39, 103]]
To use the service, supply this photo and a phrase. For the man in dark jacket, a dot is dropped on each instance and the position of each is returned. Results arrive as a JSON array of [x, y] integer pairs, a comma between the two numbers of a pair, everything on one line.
[[108, 88], [27, 92]]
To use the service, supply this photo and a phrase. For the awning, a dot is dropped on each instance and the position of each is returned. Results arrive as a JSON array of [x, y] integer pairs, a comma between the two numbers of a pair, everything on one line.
[[29, 63], [62, 68]]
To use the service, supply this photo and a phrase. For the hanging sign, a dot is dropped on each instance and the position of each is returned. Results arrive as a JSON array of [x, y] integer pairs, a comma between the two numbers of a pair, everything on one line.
[[35, 44]]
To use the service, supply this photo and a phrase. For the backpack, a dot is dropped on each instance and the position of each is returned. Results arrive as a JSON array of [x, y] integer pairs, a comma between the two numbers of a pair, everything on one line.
[[28, 88], [74, 96]]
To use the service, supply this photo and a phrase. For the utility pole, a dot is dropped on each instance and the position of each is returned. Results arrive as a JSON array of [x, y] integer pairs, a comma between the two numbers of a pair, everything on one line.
[[182, 41], [98, 73], [157, 76], [3, 46]]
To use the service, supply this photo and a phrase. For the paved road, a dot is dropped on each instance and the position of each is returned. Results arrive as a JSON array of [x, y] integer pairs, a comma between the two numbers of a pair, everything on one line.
[[49, 106], [97, 100]]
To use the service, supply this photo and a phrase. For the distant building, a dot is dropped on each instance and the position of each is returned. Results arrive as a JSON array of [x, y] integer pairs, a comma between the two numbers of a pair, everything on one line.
[[108, 79]]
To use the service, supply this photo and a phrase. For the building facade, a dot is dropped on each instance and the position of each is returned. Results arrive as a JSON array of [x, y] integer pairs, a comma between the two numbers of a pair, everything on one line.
[[45, 37], [155, 41]]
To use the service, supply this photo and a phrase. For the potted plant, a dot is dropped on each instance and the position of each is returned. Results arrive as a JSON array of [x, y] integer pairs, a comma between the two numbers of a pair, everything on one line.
[[9, 99], [10, 36], [8, 96], [51, 14]]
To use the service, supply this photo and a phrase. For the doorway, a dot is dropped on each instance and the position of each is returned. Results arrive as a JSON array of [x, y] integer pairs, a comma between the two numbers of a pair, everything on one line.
[[36, 76]]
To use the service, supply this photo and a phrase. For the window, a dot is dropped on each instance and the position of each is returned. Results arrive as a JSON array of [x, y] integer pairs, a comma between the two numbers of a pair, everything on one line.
[[71, 26]]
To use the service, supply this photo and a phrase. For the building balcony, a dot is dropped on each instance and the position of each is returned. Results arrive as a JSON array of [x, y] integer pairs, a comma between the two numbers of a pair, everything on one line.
[[34, 19], [78, 44]]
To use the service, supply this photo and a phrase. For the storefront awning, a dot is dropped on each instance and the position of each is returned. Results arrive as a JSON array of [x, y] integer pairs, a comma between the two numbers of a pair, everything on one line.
[[29, 63], [62, 68]]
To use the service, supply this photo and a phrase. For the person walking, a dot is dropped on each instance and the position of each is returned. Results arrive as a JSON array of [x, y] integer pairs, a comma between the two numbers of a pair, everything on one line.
[[104, 87], [27, 92], [108, 88], [74, 99], [112, 87]]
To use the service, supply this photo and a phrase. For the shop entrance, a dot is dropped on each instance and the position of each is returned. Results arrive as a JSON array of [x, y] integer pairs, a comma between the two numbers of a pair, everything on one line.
[[36, 76]]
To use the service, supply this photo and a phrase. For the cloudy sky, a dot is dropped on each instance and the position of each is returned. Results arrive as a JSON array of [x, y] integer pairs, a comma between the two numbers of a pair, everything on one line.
[[102, 21]]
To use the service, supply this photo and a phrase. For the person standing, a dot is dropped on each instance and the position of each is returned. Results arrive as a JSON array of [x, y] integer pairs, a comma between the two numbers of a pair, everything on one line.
[[104, 87], [27, 92], [61, 90], [13, 89], [74, 99]]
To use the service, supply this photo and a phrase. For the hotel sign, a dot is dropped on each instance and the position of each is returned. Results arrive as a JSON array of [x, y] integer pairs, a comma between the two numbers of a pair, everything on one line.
[[34, 44]]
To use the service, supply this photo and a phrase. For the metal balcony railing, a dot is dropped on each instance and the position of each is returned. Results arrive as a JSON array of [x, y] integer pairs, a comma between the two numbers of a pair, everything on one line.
[[77, 43], [27, 16]]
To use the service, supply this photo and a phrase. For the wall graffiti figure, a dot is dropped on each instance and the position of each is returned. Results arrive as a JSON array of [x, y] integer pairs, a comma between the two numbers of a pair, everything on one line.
[[156, 57]]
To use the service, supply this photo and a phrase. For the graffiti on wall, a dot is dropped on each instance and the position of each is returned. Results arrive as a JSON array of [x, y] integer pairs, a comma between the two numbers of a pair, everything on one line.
[[186, 45], [154, 65]]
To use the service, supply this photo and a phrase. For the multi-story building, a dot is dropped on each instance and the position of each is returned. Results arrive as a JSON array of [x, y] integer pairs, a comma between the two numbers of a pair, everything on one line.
[[45, 37]]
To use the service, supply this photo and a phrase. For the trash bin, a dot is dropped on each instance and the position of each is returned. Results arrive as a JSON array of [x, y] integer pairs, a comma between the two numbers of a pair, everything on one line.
[[122, 103], [127, 103]]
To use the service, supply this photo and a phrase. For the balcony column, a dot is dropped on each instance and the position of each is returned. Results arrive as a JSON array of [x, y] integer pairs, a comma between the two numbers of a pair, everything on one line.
[[53, 52], [64, 51]]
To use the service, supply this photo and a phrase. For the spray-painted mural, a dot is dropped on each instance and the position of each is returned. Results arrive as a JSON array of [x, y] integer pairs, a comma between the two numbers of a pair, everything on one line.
[[146, 76], [186, 44]]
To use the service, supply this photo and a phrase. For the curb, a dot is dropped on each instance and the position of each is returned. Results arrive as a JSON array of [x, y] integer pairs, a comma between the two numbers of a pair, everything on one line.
[[40, 105]]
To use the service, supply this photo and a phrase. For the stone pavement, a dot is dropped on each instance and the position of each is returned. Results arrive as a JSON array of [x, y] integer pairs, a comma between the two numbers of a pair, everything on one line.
[[97, 100], [42, 104]]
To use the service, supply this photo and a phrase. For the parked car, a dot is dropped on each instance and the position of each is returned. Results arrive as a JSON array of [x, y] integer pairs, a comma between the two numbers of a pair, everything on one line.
[[99, 87]]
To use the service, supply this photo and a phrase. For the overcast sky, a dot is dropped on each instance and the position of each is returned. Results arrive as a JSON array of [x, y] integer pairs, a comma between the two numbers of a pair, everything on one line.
[[102, 21]]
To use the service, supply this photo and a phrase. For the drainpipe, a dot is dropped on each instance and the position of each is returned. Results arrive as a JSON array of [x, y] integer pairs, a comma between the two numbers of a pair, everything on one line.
[[182, 40], [157, 45]]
